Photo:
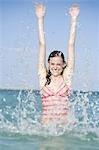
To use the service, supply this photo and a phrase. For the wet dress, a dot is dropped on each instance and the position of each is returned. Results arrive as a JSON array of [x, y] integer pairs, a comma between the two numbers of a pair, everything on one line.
[[55, 104]]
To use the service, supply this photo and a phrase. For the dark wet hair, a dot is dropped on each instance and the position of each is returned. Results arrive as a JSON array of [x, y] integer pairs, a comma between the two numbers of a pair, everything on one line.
[[54, 54]]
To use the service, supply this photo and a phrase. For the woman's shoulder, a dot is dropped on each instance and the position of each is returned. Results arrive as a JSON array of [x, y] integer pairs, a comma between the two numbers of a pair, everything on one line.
[[67, 80]]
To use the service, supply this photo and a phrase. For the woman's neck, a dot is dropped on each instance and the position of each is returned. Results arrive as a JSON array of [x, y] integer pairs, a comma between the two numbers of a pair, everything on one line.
[[56, 78], [55, 83]]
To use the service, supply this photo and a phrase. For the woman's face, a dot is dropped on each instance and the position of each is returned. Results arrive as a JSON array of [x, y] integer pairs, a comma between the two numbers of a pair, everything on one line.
[[56, 65]]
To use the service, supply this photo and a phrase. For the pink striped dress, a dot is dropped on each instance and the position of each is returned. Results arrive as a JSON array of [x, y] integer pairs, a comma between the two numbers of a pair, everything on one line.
[[55, 105]]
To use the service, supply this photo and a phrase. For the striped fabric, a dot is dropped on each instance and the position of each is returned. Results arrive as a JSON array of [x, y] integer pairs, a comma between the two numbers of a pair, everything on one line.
[[55, 105]]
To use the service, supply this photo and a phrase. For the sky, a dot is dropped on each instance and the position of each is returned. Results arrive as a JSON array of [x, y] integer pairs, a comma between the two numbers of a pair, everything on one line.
[[19, 41]]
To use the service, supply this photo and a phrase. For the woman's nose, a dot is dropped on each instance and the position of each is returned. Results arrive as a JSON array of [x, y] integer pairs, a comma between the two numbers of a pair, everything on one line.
[[55, 67]]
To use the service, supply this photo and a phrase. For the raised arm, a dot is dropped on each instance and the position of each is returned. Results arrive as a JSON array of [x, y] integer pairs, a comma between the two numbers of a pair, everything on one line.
[[40, 13], [74, 12]]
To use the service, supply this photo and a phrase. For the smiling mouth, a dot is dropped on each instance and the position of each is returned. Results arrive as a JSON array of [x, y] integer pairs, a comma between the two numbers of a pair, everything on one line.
[[55, 70]]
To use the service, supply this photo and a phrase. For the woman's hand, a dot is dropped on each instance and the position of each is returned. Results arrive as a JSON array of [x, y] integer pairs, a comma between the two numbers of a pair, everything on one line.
[[40, 10], [74, 11]]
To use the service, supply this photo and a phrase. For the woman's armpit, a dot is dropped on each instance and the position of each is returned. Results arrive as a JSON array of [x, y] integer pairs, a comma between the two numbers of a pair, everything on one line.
[[68, 75], [42, 79]]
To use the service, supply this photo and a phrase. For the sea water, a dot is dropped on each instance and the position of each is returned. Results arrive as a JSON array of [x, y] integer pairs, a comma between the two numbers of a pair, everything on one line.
[[20, 127]]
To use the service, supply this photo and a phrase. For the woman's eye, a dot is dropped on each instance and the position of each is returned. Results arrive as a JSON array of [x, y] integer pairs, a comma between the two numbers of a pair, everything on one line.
[[58, 64], [52, 64]]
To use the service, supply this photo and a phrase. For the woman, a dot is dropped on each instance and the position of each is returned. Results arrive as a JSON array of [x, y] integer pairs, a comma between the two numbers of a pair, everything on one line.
[[55, 81]]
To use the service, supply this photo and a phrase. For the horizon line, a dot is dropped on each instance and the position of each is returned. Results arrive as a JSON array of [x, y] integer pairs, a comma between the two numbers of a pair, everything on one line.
[[21, 88]]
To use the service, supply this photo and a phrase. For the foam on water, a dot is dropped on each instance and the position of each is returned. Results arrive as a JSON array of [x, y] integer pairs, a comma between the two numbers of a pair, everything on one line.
[[23, 115]]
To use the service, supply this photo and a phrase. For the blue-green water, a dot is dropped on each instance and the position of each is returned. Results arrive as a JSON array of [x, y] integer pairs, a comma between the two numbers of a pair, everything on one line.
[[20, 127]]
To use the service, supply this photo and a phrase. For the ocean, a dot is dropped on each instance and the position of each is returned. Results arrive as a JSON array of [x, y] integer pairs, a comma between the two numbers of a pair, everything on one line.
[[20, 127]]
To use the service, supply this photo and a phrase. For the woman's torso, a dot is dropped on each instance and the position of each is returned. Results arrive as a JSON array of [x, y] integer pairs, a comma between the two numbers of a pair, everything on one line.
[[55, 104]]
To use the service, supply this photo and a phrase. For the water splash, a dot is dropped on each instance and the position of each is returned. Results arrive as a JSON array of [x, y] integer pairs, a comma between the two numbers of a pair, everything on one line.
[[20, 112]]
